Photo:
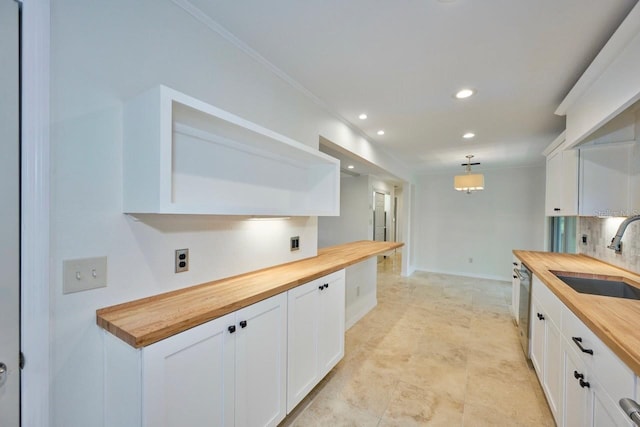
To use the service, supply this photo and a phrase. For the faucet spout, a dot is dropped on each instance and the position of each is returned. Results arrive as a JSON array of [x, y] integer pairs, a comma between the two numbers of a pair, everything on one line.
[[616, 242]]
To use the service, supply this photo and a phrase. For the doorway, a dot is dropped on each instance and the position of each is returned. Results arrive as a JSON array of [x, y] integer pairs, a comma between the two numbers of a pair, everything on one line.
[[10, 214], [379, 217]]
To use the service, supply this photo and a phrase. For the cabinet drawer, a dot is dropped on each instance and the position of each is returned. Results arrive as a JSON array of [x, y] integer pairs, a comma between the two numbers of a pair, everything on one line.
[[549, 303], [614, 376]]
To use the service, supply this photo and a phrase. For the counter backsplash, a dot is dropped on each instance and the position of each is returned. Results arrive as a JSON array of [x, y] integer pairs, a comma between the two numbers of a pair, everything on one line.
[[599, 233]]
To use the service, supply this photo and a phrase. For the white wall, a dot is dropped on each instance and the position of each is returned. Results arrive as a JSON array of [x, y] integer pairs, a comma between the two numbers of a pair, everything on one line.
[[354, 223], [450, 226], [102, 54]]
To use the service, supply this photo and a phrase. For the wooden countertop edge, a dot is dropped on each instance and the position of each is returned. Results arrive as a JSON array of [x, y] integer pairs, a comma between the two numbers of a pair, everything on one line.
[[111, 318], [618, 345]]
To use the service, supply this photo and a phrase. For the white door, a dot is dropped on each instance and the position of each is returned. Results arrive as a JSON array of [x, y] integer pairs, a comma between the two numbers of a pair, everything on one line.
[[10, 215], [379, 218]]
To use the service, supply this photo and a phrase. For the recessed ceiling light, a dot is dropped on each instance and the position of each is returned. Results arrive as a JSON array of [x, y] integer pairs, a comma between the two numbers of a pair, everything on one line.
[[464, 93], [468, 135], [362, 116], [380, 132], [350, 167]]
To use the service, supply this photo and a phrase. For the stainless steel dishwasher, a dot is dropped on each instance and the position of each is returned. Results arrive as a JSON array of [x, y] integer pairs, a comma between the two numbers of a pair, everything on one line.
[[524, 306]]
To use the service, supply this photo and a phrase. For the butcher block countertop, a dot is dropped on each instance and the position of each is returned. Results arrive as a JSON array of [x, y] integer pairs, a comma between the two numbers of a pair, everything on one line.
[[614, 320], [148, 320]]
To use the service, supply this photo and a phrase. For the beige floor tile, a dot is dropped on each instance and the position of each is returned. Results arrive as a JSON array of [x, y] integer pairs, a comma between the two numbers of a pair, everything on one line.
[[415, 406], [437, 350]]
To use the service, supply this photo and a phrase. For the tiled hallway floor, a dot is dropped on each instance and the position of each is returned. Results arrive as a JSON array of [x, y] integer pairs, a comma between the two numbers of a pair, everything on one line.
[[437, 350]]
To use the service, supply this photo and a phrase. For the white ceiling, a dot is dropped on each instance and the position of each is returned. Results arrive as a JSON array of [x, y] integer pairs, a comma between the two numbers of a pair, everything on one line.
[[401, 62]]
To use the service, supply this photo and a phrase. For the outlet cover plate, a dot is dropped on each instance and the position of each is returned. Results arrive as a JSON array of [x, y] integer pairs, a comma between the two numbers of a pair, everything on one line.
[[295, 243], [182, 260], [84, 274]]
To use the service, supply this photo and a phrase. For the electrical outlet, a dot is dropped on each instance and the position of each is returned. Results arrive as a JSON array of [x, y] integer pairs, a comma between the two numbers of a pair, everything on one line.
[[182, 260], [295, 243], [84, 274], [584, 239]]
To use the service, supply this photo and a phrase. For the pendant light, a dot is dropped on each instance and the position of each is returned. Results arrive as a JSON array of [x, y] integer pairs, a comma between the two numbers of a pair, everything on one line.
[[469, 181]]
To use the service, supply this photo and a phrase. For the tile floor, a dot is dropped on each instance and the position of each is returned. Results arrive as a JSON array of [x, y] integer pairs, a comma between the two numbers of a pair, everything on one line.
[[437, 350]]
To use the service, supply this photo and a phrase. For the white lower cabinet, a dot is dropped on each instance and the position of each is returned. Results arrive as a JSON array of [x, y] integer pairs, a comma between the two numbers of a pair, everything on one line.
[[546, 344], [581, 377], [244, 369], [316, 333], [230, 371], [577, 396]]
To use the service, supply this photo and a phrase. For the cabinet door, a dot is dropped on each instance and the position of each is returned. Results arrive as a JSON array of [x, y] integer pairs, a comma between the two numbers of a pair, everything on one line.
[[331, 322], [261, 363], [570, 182], [536, 323], [304, 314], [606, 412], [553, 196], [188, 379], [553, 367], [577, 399], [604, 180]]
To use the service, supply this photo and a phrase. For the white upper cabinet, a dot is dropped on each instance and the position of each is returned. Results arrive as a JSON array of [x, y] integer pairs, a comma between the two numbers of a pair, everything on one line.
[[562, 180], [609, 86], [605, 180], [184, 156]]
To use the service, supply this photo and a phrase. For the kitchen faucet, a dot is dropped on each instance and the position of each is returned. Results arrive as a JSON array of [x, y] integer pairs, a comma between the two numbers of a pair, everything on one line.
[[616, 242]]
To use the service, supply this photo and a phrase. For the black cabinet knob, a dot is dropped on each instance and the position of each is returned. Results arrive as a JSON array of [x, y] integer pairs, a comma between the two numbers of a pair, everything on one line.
[[321, 287], [584, 384], [540, 316], [232, 328], [515, 277], [243, 324], [326, 285], [515, 263], [556, 209], [577, 375]]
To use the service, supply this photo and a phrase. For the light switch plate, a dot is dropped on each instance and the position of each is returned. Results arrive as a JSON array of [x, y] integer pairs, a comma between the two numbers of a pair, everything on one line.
[[84, 274]]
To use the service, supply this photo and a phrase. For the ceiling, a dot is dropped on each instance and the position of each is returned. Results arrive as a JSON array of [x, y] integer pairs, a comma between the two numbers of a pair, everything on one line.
[[401, 62]]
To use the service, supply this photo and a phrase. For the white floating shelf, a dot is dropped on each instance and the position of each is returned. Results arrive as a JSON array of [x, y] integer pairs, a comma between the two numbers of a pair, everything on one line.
[[184, 156]]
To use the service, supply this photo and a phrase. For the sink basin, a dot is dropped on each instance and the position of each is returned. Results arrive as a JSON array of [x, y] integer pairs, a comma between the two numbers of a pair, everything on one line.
[[600, 286]]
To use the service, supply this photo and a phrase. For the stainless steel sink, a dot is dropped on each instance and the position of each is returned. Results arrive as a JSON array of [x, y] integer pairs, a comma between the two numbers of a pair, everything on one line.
[[600, 286]]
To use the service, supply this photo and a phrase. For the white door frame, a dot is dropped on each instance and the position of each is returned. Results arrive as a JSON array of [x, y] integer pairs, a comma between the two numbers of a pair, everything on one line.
[[35, 206]]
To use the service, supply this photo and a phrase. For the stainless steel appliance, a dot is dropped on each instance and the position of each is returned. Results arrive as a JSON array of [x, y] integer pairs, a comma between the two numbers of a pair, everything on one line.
[[524, 306], [632, 409]]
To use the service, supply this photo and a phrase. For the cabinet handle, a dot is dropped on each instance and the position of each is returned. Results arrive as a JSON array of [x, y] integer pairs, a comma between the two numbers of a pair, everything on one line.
[[243, 324], [321, 287], [515, 263], [326, 285], [577, 375], [540, 316], [556, 209], [578, 341], [232, 329], [515, 277], [584, 384]]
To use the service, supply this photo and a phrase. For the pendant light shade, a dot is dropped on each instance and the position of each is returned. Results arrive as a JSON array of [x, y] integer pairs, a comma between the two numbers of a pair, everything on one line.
[[469, 181]]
